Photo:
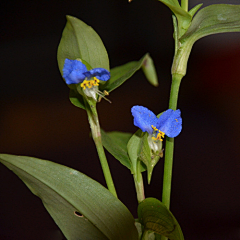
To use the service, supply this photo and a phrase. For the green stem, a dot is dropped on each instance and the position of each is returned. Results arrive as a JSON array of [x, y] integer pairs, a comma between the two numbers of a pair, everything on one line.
[[167, 179], [96, 135], [168, 163], [138, 180], [184, 5], [178, 71], [176, 80]]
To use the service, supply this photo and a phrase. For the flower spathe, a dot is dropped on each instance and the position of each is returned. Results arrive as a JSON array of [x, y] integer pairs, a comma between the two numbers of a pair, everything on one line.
[[74, 72], [169, 123]]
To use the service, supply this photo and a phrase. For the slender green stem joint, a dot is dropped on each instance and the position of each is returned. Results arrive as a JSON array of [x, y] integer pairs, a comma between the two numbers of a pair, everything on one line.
[[96, 135]]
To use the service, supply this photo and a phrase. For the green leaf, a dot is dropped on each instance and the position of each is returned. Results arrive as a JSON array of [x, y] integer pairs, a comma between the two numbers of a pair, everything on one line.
[[80, 41], [76, 99], [134, 149], [217, 18], [155, 217], [116, 144], [171, 2], [195, 9], [67, 193], [150, 71], [183, 17], [121, 73]]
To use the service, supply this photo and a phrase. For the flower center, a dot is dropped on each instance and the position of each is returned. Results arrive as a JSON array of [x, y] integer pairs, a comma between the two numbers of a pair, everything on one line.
[[90, 83], [90, 88], [159, 135]]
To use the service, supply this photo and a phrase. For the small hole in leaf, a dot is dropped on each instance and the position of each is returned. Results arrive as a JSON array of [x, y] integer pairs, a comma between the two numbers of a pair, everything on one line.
[[78, 214]]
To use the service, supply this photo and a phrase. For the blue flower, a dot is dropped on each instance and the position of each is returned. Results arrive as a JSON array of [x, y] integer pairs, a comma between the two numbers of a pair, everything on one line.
[[169, 123], [74, 72]]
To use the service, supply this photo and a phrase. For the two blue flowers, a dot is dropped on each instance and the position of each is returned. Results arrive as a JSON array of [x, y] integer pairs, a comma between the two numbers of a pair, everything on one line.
[[169, 123]]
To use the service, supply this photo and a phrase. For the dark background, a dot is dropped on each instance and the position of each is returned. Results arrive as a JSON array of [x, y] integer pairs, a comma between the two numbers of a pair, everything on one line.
[[37, 119]]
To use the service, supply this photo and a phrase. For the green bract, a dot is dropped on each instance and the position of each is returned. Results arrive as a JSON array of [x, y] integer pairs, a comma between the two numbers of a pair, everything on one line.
[[155, 217]]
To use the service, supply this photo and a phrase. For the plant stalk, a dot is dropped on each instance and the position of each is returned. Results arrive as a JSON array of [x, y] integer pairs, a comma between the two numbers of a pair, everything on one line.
[[167, 179], [96, 135], [179, 67], [168, 162]]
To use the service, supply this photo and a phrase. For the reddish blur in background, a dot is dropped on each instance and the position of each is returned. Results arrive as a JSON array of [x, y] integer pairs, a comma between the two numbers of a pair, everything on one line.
[[37, 119]]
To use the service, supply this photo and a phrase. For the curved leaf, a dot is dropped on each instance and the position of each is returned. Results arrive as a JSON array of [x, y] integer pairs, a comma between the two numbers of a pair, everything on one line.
[[80, 41], [154, 216], [81, 207], [121, 73], [217, 18]]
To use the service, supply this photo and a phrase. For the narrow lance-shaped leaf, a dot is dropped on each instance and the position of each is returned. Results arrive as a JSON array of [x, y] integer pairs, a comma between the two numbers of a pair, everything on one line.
[[121, 73], [155, 217], [81, 207]]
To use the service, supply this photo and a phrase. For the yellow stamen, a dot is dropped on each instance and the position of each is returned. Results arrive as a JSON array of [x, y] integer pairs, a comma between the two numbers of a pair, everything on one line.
[[106, 93], [154, 128], [90, 83], [85, 84], [96, 81], [160, 134]]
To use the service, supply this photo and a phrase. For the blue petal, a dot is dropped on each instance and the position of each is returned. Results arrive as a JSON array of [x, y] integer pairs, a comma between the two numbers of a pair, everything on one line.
[[144, 118], [100, 73], [170, 122], [73, 71]]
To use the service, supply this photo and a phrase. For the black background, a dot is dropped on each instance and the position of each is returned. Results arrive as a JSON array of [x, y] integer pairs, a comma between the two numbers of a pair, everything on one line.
[[37, 119]]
